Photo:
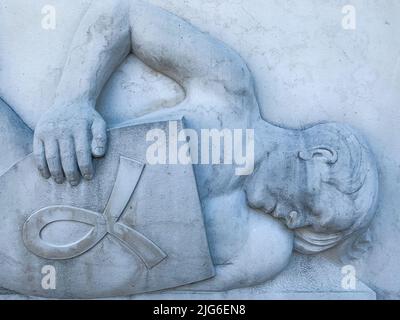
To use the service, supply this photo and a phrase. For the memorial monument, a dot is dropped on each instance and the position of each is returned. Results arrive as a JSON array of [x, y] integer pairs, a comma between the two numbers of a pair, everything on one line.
[[176, 195]]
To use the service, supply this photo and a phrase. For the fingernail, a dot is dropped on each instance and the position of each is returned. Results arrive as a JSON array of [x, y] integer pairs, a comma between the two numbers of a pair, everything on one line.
[[88, 176], [74, 183], [44, 175], [59, 180], [99, 150]]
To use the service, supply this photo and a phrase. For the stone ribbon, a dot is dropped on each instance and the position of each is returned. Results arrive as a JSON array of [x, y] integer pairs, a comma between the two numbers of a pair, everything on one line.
[[129, 173]]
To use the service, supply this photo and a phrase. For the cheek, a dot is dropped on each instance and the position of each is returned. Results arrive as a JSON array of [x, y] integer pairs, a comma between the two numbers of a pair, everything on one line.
[[336, 212]]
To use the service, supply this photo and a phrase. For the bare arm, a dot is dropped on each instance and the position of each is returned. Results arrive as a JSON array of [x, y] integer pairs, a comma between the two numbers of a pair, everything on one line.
[[71, 132], [165, 42], [176, 48], [100, 44]]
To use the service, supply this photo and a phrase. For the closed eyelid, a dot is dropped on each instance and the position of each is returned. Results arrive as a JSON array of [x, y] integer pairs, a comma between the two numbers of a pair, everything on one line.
[[316, 213]]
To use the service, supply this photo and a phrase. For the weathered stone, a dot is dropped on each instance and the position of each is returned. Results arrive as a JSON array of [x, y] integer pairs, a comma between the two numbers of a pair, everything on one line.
[[313, 190], [161, 206]]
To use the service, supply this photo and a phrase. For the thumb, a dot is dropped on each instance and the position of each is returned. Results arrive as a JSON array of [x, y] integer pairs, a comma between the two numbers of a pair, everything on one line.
[[99, 137]]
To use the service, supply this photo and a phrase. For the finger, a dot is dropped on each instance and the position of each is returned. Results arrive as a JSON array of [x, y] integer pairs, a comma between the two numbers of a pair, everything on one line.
[[40, 157], [68, 161], [84, 155], [99, 134], [53, 160]]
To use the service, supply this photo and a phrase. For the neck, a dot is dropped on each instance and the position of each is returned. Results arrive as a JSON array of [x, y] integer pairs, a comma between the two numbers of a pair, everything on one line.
[[271, 138]]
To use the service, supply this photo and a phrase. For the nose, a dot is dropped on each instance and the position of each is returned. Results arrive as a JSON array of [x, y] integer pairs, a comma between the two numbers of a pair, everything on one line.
[[296, 220], [292, 220]]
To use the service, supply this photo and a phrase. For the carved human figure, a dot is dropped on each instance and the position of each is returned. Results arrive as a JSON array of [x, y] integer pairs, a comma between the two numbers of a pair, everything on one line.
[[311, 189]]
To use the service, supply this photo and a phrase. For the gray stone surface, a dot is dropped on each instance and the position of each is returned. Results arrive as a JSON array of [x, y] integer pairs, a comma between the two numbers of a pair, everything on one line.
[[297, 80], [306, 278], [91, 263]]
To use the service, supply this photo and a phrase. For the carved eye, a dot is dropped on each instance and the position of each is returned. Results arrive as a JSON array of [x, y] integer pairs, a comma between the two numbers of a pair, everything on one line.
[[315, 213]]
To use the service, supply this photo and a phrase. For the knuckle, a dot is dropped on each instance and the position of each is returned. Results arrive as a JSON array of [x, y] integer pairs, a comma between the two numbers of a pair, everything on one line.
[[44, 128], [98, 119], [79, 126]]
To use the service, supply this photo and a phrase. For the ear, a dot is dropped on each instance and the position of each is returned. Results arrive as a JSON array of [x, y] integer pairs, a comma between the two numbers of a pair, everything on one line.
[[325, 157], [326, 154]]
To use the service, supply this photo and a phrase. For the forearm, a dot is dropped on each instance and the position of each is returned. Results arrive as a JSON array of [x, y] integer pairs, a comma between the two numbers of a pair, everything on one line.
[[100, 44], [112, 28], [70, 133]]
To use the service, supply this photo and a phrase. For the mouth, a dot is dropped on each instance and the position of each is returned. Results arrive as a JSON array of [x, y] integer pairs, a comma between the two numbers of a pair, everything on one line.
[[293, 220]]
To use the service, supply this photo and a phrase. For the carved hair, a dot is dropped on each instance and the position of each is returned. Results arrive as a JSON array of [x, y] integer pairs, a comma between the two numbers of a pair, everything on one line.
[[352, 170]]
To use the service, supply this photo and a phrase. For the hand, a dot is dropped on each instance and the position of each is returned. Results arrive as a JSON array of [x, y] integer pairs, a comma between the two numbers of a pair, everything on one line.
[[65, 140]]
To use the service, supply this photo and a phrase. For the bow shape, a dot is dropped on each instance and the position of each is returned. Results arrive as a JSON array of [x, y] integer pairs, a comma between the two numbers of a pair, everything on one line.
[[129, 173]]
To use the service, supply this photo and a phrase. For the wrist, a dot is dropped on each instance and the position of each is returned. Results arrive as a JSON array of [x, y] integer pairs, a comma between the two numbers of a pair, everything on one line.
[[79, 102]]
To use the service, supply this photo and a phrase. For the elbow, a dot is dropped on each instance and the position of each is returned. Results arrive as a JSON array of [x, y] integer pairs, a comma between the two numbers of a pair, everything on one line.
[[237, 77]]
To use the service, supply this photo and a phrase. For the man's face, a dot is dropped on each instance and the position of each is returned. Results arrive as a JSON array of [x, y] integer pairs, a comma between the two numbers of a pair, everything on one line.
[[324, 210], [293, 192]]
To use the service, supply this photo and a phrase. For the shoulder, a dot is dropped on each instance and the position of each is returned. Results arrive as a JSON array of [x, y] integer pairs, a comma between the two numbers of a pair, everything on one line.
[[269, 246], [231, 77]]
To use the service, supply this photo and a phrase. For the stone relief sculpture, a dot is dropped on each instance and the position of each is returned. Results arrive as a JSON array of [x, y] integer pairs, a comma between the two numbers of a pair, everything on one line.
[[310, 190]]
